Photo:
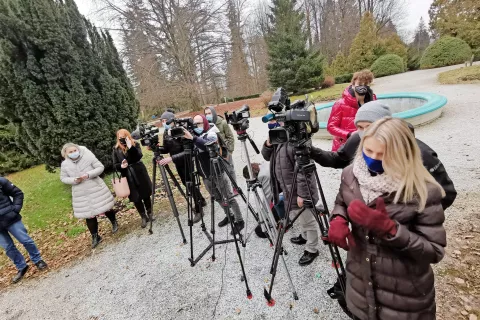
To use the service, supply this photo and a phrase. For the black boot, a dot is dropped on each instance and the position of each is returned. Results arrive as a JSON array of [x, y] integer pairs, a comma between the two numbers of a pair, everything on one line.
[[197, 217], [96, 239], [20, 274], [308, 258], [298, 240], [260, 233], [114, 226], [144, 219], [238, 227], [41, 265], [224, 222]]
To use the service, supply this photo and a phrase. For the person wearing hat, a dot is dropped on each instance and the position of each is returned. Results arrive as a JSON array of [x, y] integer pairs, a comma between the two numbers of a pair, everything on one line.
[[174, 147], [366, 115]]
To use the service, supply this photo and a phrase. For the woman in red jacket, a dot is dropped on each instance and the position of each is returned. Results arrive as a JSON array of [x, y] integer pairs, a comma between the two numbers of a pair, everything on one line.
[[341, 122]]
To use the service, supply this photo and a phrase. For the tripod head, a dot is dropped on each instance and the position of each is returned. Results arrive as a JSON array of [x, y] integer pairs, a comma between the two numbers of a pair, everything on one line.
[[302, 152]]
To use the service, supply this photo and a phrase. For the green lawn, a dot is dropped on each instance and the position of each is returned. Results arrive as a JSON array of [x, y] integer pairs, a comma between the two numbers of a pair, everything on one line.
[[462, 75], [327, 94], [48, 202]]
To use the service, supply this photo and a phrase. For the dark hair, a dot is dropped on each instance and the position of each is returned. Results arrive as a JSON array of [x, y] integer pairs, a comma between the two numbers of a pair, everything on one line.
[[170, 110], [255, 169]]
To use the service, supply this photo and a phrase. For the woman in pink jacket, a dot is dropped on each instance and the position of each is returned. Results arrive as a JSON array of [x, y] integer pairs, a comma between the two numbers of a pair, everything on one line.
[[341, 122]]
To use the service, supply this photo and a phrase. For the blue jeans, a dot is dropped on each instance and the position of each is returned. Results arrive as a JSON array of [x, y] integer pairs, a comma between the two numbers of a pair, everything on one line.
[[20, 233], [280, 207]]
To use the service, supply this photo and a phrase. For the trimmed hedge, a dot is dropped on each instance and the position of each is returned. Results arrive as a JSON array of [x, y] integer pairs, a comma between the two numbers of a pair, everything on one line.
[[446, 51], [344, 78], [387, 65]]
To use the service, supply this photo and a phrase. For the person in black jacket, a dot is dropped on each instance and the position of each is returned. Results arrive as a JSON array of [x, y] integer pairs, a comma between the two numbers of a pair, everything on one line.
[[127, 158], [11, 202], [369, 113], [175, 148]]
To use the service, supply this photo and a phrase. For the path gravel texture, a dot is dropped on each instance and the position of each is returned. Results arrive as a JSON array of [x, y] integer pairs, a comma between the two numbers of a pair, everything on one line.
[[149, 277]]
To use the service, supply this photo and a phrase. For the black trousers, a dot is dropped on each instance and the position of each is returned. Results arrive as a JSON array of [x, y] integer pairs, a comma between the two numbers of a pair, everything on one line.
[[197, 195], [144, 206], [92, 223]]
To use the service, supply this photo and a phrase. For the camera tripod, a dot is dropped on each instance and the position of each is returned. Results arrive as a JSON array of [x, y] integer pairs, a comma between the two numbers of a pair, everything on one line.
[[304, 166], [265, 216], [163, 171]]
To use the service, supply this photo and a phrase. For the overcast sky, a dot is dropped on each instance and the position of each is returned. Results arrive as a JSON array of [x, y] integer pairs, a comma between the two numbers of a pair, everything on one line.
[[415, 10]]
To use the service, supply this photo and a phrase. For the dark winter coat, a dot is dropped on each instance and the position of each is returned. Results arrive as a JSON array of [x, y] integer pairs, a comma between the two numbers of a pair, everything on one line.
[[224, 130], [282, 166], [392, 278], [9, 207], [342, 118], [175, 148], [136, 173], [345, 155]]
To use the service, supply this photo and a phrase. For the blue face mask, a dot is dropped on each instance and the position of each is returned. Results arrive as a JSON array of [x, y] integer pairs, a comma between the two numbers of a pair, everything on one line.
[[373, 164], [273, 125], [167, 126], [209, 118], [198, 130], [74, 155]]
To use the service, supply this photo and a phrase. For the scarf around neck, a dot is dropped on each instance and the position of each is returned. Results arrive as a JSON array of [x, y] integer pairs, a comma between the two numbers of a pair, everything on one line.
[[372, 187]]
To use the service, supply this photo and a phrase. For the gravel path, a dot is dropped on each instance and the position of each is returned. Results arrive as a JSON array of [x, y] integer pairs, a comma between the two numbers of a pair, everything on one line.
[[148, 276]]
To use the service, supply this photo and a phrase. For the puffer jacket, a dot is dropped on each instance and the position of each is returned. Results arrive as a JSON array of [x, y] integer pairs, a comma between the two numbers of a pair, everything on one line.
[[346, 153], [282, 167], [224, 130], [392, 278], [342, 118], [11, 202], [92, 196]]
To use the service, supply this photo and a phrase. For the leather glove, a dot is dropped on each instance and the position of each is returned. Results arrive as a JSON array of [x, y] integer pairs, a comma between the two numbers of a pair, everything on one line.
[[375, 220], [339, 233]]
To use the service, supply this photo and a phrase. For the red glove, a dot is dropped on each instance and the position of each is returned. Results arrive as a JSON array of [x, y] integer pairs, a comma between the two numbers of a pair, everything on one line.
[[375, 220], [339, 233]]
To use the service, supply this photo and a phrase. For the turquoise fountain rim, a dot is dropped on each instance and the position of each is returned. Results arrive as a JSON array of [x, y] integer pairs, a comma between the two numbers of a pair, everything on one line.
[[433, 102]]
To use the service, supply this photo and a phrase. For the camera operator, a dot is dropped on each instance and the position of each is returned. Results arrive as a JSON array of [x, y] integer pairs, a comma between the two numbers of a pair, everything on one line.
[[175, 148], [369, 113], [226, 135], [127, 158], [206, 134], [262, 173], [282, 166]]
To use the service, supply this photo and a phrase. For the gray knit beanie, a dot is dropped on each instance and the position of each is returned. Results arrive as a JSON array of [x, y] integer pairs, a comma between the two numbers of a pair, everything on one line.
[[167, 115], [372, 111]]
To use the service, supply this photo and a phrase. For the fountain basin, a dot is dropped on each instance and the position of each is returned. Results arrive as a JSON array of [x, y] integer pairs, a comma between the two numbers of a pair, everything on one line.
[[418, 108]]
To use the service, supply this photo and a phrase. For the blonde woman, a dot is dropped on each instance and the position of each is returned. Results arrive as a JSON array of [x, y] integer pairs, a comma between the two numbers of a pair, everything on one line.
[[394, 207], [90, 195], [127, 158]]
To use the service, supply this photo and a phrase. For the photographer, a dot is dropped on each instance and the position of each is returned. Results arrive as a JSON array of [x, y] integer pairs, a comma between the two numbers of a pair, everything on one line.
[[206, 134], [369, 113], [340, 123], [226, 135], [11, 203], [127, 158], [175, 148], [282, 166]]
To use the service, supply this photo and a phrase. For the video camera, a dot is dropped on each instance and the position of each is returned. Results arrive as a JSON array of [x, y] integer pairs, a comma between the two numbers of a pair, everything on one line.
[[299, 119], [181, 123], [239, 119], [147, 134]]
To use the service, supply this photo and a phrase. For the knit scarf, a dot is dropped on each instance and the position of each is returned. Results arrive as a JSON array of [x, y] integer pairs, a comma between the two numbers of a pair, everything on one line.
[[372, 187]]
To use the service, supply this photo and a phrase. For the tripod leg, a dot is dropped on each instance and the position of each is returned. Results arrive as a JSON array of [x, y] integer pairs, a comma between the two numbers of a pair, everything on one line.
[[154, 179], [223, 193], [168, 190]]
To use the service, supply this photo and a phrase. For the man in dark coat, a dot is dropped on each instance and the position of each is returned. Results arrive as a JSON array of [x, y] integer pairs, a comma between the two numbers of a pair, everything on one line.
[[11, 202], [369, 113], [175, 148]]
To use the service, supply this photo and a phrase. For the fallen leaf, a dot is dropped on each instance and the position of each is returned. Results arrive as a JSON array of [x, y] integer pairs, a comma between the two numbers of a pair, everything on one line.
[[465, 313], [238, 311], [315, 310], [457, 252], [472, 317], [459, 281]]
